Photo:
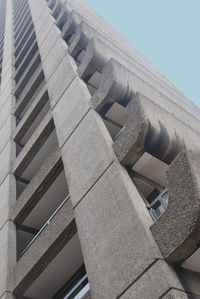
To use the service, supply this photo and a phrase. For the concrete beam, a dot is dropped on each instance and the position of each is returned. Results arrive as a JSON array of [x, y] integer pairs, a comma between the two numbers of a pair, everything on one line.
[[37, 105], [25, 32], [33, 145], [29, 91], [83, 170], [27, 75], [23, 37], [25, 48], [25, 62], [38, 186]]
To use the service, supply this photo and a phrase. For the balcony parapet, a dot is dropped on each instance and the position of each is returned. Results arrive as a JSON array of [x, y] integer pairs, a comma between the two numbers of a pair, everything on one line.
[[153, 129], [177, 231]]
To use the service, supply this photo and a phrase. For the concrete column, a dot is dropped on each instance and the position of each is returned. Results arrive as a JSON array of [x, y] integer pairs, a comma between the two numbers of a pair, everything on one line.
[[120, 253], [7, 155]]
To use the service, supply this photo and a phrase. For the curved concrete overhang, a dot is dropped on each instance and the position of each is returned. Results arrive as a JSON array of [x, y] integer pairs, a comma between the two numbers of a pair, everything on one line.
[[177, 231], [85, 27], [149, 128], [154, 124], [96, 56], [114, 85], [118, 83], [73, 19], [83, 34], [98, 52]]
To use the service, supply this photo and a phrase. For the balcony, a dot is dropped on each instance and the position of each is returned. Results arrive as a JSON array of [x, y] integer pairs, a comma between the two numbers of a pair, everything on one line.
[[158, 205], [114, 117], [149, 176], [38, 147], [25, 233], [76, 287], [65, 277], [30, 91], [51, 264], [33, 116], [51, 194], [27, 75]]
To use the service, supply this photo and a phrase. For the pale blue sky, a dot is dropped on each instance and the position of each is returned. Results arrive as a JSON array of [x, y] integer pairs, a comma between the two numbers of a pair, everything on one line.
[[166, 32]]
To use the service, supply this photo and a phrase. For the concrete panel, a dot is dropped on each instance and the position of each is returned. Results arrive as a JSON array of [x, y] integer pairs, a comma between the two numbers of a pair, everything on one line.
[[5, 93], [71, 109], [7, 253], [6, 131], [7, 80], [37, 7], [154, 283], [54, 57], [49, 41], [7, 52], [86, 155], [7, 66], [6, 157], [6, 109], [43, 26], [113, 225], [39, 12], [7, 198], [61, 79], [175, 294]]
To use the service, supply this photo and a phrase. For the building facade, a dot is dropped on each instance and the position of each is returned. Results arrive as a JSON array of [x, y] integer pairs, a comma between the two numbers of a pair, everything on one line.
[[99, 155]]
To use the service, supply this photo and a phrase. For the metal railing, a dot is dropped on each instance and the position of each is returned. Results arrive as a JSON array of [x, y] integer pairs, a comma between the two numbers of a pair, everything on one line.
[[45, 225], [158, 205], [79, 290], [119, 133]]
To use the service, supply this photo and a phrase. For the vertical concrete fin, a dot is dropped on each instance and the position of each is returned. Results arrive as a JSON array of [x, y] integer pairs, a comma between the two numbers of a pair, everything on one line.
[[7, 154]]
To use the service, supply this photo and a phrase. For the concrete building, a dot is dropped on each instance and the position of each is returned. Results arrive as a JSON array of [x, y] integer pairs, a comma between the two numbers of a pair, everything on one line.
[[99, 156]]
